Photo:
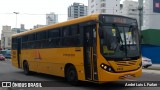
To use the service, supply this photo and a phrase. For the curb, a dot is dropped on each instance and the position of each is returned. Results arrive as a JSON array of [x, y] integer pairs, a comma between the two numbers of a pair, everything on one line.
[[158, 69]]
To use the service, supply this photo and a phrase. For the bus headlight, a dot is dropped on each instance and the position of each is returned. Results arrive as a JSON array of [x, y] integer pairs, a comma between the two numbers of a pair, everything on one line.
[[106, 67], [102, 65]]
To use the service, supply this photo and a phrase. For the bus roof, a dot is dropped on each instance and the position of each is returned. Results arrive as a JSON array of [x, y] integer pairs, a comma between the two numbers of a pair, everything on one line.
[[69, 22]]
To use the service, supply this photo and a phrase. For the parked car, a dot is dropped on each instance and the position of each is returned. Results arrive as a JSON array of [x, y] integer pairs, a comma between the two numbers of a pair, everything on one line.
[[7, 56], [146, 62], [6, 53], [2, 58]]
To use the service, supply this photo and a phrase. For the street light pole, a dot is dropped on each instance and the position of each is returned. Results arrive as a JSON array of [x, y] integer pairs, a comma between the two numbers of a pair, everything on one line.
[[16, 17], [140, 17], [140, 8]]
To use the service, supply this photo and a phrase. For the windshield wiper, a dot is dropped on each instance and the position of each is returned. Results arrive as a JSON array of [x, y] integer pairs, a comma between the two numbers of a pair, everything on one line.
[[118, 32], [118, 36], [120, 39], [130, 28]]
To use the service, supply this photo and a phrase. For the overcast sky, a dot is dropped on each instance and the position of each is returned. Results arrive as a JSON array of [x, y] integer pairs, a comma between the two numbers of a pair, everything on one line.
[[32, 12]]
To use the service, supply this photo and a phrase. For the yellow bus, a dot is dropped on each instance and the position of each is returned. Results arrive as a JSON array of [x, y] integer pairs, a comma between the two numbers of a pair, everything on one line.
[[95, 48]]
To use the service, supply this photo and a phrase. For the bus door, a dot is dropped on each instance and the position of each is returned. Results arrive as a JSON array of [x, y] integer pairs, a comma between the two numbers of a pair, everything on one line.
[[19, 52], [90, 59]]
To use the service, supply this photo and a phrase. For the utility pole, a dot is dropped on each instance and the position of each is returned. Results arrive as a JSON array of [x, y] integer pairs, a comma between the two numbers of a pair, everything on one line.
[[140, 8], [16, 17]]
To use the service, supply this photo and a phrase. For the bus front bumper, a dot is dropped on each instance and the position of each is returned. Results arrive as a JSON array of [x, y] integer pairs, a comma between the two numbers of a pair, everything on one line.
[[106, 76]]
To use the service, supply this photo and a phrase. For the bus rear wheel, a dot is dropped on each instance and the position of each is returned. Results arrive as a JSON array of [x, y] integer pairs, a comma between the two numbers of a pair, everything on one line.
[[26, 68], [71, 75]]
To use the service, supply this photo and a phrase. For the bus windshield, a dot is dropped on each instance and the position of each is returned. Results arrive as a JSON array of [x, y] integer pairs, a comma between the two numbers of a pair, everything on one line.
[[119, 41]]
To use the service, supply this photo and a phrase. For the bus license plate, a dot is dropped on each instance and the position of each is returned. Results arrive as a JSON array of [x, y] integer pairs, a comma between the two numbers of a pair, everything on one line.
[[127, 76]]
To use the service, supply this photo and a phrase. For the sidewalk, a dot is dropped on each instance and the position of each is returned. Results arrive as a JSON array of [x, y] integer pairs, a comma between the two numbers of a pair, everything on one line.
[[151, 71], [154, 67]]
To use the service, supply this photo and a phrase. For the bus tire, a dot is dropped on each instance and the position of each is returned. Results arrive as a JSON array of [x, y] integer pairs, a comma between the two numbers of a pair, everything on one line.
[[71, 75], [26, 68]]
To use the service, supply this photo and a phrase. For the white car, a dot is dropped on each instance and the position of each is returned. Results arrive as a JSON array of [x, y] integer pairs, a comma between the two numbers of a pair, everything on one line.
[[146, 62]]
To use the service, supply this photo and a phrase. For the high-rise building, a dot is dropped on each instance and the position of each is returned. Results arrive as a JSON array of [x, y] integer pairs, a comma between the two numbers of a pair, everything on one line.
[[38, 26], [6, 37], [104, 6], [76, 10], [151, 18], [7, 32], [151, 30], [19, 30], [51, 18], [130, 9]]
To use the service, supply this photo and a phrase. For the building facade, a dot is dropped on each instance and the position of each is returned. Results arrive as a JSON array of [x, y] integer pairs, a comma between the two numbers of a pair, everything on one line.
[[51, 18], [6, 37], [151, 30], [130, 9], [151, 18], [38, 26], [104, 6], [19, 30], [77, 10], [6, 34]]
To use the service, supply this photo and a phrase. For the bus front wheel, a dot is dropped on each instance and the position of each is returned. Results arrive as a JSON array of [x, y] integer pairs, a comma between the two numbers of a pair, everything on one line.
[[26, 68], [71, 75]]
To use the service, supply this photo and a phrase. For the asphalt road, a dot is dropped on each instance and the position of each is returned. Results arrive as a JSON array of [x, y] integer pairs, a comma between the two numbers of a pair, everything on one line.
[[9, 73]]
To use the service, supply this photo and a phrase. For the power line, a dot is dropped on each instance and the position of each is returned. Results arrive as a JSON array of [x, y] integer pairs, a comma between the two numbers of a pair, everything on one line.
[[30, 14], [6, 13], [67, 14]]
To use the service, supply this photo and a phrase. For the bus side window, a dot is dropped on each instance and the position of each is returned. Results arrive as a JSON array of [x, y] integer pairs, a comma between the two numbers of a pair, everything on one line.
[[75, 40], [66, 36], [24, 42], [66, 31], [38, 40], [44, 37], [54, 33], [14, 43], [31, 39], [54, 38], [75, 30]]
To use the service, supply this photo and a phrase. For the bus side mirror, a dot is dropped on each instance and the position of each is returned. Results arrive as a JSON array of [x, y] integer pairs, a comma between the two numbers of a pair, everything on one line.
[[101, 33]]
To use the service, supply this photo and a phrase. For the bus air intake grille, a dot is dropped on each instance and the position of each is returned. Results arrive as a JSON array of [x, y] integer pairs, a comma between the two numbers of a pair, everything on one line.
[[125, 63]]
